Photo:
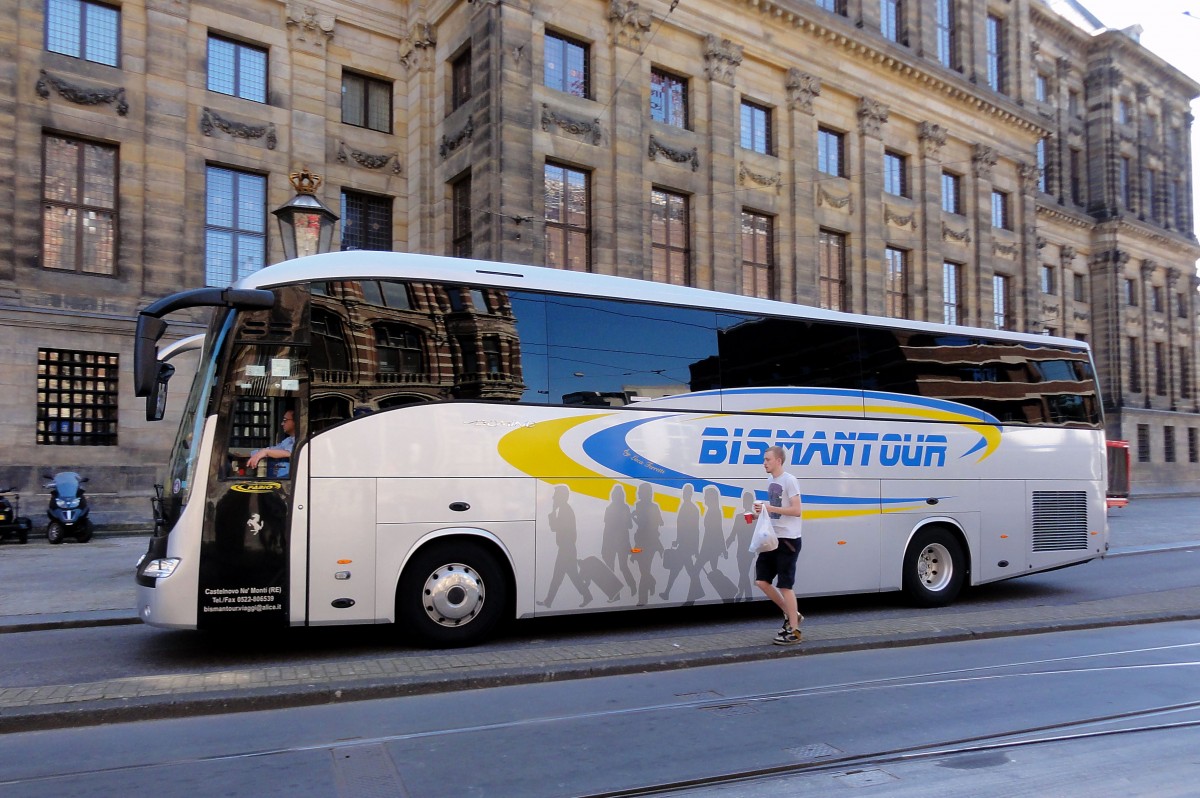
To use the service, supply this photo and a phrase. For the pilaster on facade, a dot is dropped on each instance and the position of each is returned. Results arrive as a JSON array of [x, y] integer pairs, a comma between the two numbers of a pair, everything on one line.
[[932, 138], [799, 283], [869, 280], [722, 271]]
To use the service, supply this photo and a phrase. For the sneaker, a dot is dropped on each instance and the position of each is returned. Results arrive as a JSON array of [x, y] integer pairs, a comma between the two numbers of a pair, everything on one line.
[[787, 637], [800, 620]]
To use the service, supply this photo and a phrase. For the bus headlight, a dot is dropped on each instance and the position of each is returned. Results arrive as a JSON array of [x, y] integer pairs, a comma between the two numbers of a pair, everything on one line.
[[162, 568]]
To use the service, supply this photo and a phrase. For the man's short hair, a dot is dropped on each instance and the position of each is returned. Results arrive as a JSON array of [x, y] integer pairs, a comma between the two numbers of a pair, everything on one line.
[[777, 450]]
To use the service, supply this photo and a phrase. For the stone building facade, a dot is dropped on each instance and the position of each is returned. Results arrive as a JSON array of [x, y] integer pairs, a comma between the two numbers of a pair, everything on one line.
[[997, 163]]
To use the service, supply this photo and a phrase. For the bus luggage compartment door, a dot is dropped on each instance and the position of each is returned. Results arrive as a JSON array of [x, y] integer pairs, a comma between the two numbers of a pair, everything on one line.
[[341, 565]]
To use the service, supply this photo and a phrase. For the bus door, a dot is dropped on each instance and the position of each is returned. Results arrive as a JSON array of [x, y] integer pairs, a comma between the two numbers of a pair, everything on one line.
[[262, 419]]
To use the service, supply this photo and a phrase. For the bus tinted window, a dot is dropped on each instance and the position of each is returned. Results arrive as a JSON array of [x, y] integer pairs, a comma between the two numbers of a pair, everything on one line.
[[757, 351], [1018, 383], [606, 352]]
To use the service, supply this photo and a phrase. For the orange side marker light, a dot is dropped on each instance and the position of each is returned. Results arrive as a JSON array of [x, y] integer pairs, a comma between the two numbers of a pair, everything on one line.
[[636, 551], [344, 562]]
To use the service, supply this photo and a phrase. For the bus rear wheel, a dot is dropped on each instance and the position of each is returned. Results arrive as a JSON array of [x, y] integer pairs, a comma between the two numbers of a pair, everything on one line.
[[451, 594], [934, 567]]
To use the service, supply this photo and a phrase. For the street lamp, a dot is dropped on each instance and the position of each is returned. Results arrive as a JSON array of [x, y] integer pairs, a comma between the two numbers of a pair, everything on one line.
[[305, 224]]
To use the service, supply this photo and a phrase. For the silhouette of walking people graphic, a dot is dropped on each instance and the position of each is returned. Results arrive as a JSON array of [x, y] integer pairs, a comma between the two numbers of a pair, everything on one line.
[[682, 555], [713, 546], [648, 521], [739, 536], [614, 545], [566, 536]]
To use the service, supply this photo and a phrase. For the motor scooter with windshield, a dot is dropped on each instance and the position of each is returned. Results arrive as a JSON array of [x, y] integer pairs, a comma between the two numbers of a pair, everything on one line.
[[68, 510]]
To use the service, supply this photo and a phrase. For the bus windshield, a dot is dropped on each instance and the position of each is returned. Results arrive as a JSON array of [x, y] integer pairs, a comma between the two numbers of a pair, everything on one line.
[[183, 453]]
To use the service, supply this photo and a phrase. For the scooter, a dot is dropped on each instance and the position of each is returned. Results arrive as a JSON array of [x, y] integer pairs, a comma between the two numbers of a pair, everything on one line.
[[12, 523], [68, 510]]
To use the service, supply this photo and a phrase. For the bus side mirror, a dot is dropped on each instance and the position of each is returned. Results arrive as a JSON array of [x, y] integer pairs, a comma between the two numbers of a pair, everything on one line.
[[156, 402]]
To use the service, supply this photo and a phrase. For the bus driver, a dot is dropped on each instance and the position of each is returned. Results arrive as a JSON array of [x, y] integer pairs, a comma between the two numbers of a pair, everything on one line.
[[280, 454]]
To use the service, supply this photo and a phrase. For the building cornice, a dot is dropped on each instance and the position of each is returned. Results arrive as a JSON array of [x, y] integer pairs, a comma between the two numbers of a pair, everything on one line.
[[856, 43], [1072, 218]]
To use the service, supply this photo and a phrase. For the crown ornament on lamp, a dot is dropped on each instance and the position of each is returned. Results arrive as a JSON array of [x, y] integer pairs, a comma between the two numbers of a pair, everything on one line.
[[305, 224]]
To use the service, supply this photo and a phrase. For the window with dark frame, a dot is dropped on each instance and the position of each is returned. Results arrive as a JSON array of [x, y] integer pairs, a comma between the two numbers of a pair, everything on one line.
[[1181, 309], [1124, 185], [235, 223], [366, 102], [670, 238], [398, 350], [460, 79], [834, 6], [891, 20], [1001, 301], [758, 255], [237, 69], [895, 173], [565, 65], [79, 206], [493, 361], [1185, 374], [1143, 443], [1131, 292], [1078, 287], [1193, 445], [1076, 157], [83, 29], [947, 33], [831, 270], [1169, 443], [1041, 90], [952, 293], [568, 218], [1160, 368], [668, 98], [756, 128], [1156, 298], [1043, 165], [76, 398], [461, 218], [1135, 366], [831, 152], [366, 221], [895, 263], [1048, 286], [952, 193], [1000, 218], [996, 60]]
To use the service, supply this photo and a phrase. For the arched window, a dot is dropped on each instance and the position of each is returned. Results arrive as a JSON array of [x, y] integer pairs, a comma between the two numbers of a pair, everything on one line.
[[399, 350]]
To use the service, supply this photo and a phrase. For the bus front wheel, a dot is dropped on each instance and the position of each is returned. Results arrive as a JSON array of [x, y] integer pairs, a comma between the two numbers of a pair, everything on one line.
[[934, 567], [451, 594]]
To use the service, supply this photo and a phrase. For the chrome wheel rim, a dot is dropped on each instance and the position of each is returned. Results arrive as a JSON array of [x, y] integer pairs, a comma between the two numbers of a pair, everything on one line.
[[934, 567], [453, 595]]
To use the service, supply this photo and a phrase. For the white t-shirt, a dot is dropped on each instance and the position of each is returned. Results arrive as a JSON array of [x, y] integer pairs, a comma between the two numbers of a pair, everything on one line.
[[779, 494]]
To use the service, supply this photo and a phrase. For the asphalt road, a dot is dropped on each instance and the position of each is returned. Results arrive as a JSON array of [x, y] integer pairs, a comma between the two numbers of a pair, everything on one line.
[[1103, 712]]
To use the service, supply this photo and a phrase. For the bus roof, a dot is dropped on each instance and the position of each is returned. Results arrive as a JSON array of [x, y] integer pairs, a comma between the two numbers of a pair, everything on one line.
[[380, 265]]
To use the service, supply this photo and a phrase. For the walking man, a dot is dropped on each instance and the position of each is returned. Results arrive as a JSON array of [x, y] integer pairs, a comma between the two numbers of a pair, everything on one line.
[[779, 565]]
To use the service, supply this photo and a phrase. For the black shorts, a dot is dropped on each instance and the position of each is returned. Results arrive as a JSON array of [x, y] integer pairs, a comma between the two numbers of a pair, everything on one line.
[[779, 565]]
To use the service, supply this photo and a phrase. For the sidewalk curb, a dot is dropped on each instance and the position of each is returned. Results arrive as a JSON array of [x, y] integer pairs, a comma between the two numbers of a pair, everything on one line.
[[115, 710]]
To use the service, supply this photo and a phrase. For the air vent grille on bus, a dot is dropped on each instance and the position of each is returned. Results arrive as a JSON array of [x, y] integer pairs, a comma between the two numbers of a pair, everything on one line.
[[1059, 520], [256, 328]]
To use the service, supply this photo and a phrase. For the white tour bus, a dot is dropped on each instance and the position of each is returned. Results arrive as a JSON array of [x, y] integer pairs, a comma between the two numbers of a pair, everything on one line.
[[476, 441]]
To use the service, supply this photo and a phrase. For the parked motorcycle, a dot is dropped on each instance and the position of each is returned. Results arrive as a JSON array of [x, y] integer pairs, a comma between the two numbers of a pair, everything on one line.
[[12, 523], [68, 510]]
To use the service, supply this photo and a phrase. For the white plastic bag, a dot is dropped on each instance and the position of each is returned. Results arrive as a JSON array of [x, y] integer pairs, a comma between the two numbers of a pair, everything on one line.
[[764, 538]]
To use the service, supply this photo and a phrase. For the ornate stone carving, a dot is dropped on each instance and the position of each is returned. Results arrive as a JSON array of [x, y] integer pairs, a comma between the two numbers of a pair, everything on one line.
[[417, 45], [451, 143], [950, 234], [762, 180], [628, 23], [657, 148], [1003, 250], [899, 220], [82, 95], [933, 138], [871, 116], [210, 120], [1030, 176], [721, 59], [841, 203], [368, 160], [570, 124], [802, 88], [1066, 254], [1173, 275], [983, 160], [1147, 269], [309, 25], [1080, 315], [1119, 257]]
